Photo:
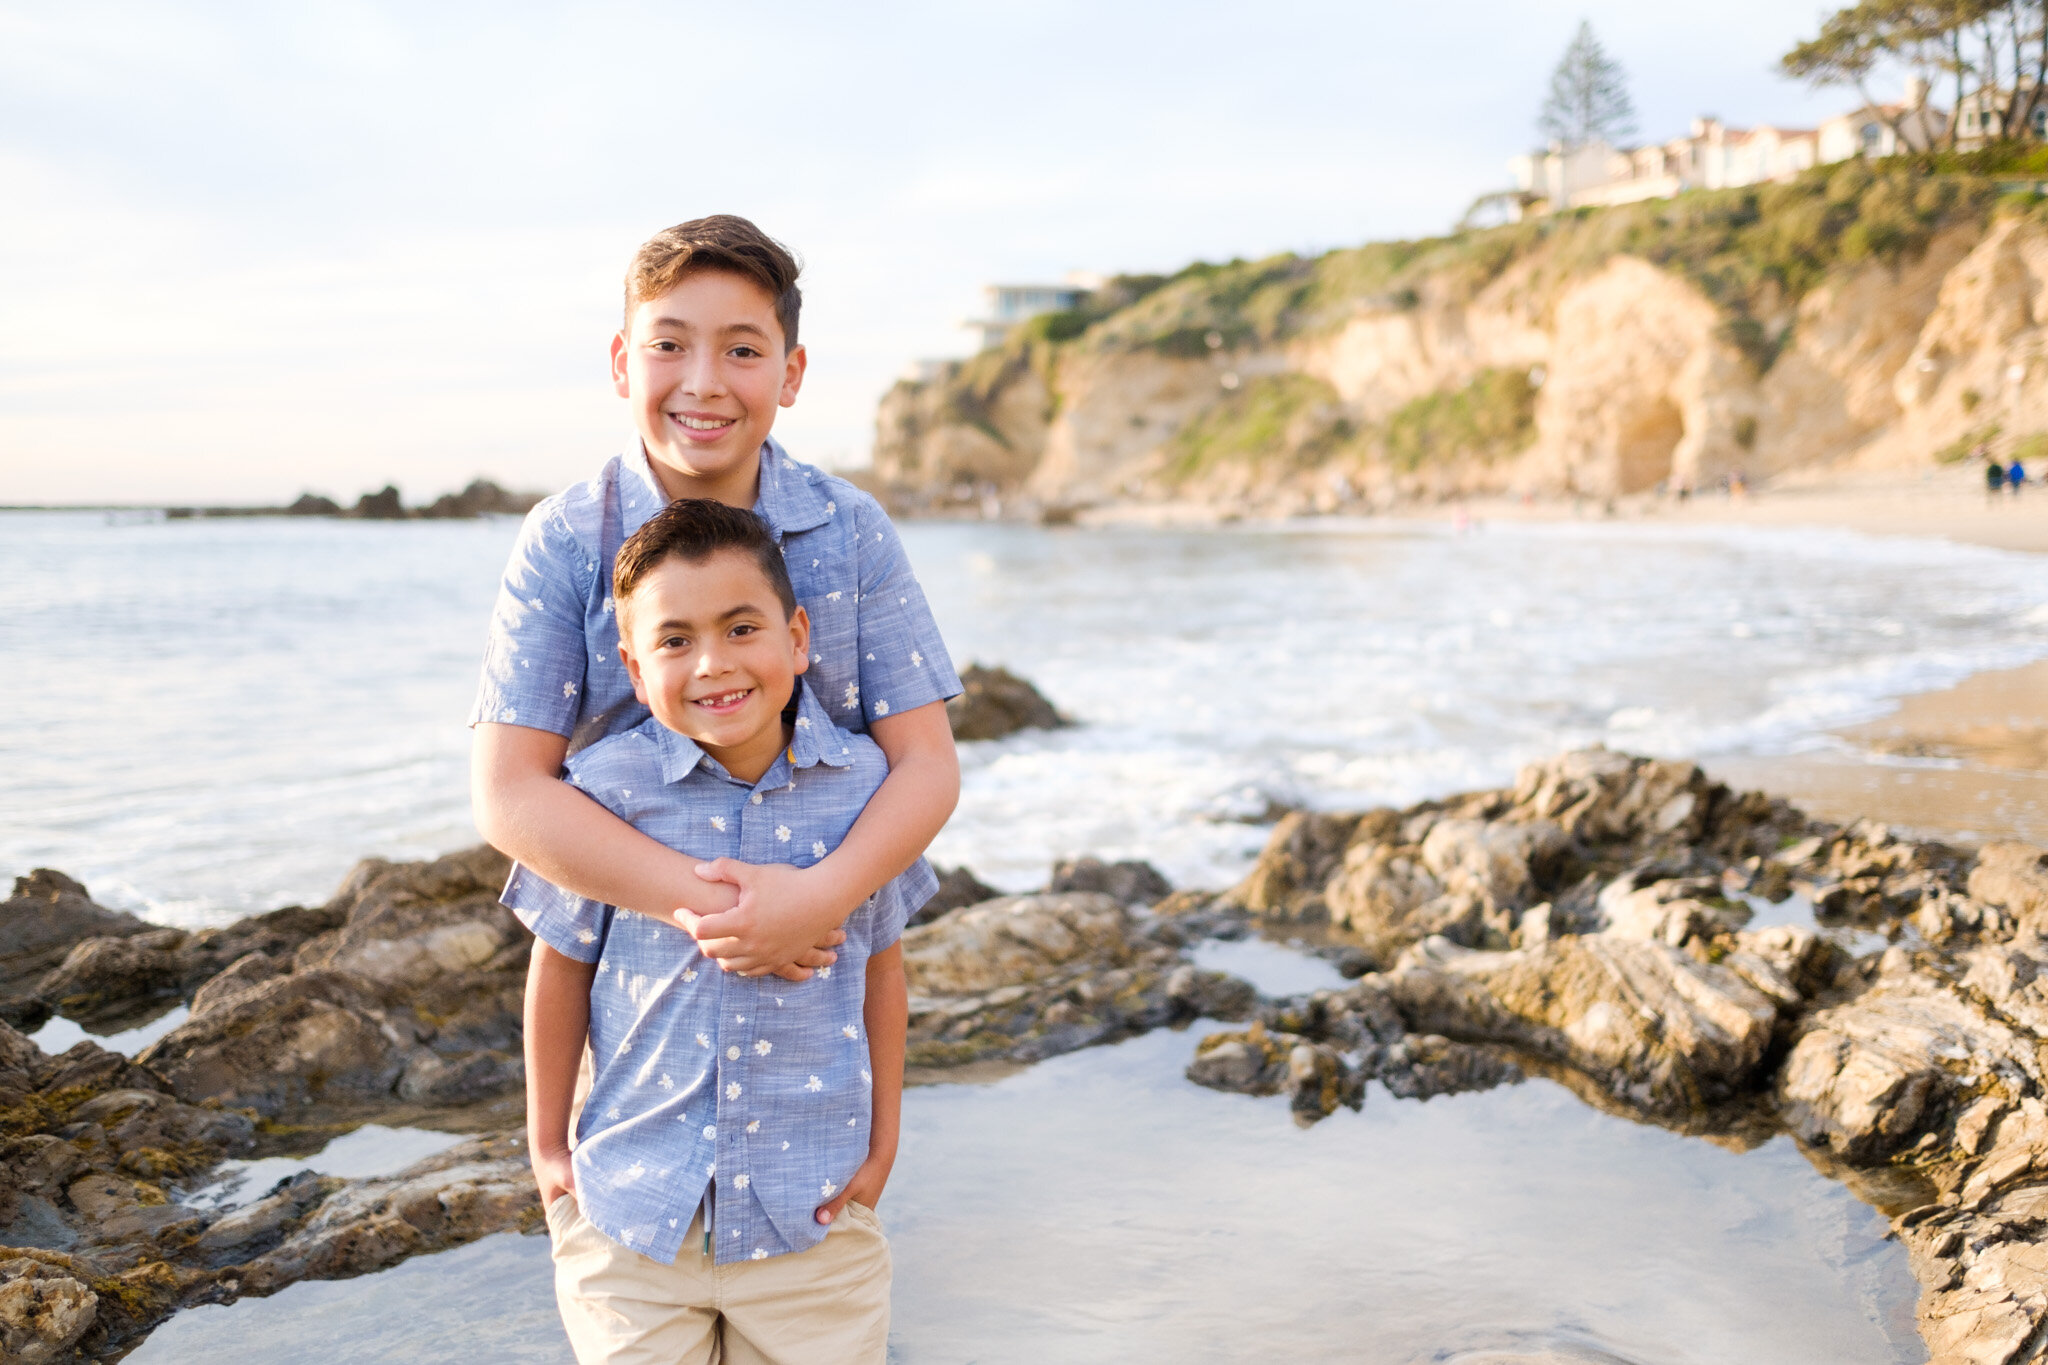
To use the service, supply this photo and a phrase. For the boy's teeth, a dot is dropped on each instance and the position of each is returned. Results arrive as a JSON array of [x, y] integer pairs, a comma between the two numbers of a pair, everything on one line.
[[702, 424]]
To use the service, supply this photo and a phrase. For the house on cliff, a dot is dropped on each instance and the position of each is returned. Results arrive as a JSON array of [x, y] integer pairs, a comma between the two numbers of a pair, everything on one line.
[[1714, 156], [1011, 304]]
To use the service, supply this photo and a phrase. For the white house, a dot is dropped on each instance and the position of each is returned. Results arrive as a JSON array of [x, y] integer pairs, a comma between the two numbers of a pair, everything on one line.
[[1010, 304], [1714, 156]]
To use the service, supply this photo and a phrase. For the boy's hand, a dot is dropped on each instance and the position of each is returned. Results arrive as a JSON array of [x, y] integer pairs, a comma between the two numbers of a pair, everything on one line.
[[796, 934], [866, 1186], [555, 1173]]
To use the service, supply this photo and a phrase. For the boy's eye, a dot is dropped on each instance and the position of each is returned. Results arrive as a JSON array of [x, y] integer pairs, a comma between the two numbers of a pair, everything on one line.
[[663, 346], [675, 642], [743, 630], [745, 352]]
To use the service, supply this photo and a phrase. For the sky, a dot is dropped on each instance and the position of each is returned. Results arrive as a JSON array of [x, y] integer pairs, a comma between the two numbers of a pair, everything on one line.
[[248, 250]]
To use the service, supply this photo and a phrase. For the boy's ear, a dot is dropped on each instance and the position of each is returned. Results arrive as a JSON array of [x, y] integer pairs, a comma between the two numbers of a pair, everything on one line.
[[799, 638], [633, 671], [793, 366], [620, 384]]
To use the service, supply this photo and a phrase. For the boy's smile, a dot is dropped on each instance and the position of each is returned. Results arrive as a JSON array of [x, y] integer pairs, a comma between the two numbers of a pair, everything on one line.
[[713, 657], [704, 369]]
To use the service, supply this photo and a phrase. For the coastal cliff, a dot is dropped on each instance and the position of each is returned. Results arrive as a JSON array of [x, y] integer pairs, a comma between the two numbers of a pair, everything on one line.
[[1860, 319]]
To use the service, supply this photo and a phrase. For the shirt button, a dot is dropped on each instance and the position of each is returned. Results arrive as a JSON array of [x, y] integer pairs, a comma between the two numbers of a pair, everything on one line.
[[732, 1053], [757, 798]]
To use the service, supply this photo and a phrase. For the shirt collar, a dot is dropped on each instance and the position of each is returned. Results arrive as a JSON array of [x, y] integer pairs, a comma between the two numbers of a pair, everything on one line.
[[814, 739], [788, 498]]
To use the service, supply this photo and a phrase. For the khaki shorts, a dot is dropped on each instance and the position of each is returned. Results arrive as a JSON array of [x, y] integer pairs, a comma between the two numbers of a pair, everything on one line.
[[828, 1305]]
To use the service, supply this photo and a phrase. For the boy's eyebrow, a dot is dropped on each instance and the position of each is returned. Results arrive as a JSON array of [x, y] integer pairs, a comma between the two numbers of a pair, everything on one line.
[[743, 609]]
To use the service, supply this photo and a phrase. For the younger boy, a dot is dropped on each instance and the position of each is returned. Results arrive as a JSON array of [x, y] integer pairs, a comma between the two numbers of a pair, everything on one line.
[[730, 1117]]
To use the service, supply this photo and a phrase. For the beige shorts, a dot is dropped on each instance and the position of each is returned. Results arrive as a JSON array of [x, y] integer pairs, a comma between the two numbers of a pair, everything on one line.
[[828, 1305]]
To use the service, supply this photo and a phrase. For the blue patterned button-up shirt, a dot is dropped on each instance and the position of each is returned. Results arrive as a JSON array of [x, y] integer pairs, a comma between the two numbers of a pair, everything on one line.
[[553, 658], [759, 1084]]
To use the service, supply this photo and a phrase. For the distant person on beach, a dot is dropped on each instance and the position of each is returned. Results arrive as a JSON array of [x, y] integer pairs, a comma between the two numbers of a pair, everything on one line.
[[719, 1204], [1994, 481], [2015, 475], [706, 356]]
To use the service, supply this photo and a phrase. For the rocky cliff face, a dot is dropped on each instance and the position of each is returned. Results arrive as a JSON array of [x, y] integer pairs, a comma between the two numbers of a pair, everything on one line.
[[1852, 322]]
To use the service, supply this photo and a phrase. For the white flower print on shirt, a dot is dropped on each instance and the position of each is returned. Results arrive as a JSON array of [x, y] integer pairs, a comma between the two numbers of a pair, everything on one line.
[[568, 689], [827, 1190], [832, 597], [850, 1032], [740, 1182], [783, 833], [830, 508], [824, 973], [754, 1126], [665, 1083], [732, 1090], [718, 823], [881, 708], [586, 935], [803, 722], [762, 1047], [852, 695], [703, 1040], [689, 973], [814, 1085], [818, 849], [917, 658], [760, 1254]]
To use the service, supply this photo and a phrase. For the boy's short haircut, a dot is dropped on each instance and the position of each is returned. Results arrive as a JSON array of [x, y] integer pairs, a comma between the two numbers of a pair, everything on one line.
[[693, 530], [723, 241]]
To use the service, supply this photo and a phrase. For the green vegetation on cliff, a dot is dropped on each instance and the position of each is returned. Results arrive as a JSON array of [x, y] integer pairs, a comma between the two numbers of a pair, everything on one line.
[[1493, 416]]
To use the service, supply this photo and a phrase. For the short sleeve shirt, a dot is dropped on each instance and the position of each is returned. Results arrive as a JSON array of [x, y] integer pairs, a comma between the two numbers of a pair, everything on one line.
[[552, 662], [755, 1086]]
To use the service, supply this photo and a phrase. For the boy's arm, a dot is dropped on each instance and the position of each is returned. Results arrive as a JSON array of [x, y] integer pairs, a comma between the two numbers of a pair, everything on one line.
[[557, 1024], [783, 910], [886, 1016], [525, 810]]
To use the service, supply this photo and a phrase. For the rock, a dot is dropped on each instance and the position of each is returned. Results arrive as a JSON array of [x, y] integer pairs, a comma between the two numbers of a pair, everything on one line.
[[1869, 1077], [957, 887], [1015, 940], [995, 702], [1300, 856], [469, 1191], [2014, 878], [1315, 1077], [1027, 977], [1672, 910], [1131, 882], [1423, 1066], [256, 1228], [382, 505], [43, 1311], [1210, 995], [1655, 1027], [288, 1043], [40, 923], [480, 498], [313, 505], [1603, 797], [104, 978]]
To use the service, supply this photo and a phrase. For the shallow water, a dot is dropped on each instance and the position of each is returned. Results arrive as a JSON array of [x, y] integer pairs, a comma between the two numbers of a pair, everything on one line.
[[60, 1034], [367, 1152], [215, 717], [1098, 1207]]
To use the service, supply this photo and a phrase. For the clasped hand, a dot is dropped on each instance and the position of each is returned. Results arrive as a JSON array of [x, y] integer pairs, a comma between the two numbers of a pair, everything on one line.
[[785, 924]]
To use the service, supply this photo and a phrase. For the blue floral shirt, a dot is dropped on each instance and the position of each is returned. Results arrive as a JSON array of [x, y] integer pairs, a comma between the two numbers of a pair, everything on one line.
[[553, 658], [755, 1083]]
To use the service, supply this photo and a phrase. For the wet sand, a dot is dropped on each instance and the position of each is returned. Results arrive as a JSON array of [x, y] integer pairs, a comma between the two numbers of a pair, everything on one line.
[[1969, 763]]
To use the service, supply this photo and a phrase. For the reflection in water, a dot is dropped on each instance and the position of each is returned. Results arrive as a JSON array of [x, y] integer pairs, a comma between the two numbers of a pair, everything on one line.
[[370, 1151], [1098, 1207], [60, 1034]]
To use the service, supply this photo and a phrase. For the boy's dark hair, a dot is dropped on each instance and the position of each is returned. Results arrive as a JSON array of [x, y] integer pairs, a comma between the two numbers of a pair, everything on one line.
[[720, 242], [693, 530]]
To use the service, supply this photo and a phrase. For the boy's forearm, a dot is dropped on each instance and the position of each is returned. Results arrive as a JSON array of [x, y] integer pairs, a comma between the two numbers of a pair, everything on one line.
[[527, 812], [557, 1022], [886, 1015], [906, 812]]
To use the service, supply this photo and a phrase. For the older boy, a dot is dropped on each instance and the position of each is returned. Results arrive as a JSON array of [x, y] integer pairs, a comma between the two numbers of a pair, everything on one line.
[[729, 1118], [707, 355]]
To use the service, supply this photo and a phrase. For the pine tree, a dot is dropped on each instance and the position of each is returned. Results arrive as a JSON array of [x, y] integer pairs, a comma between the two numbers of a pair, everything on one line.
[[1588, 96]]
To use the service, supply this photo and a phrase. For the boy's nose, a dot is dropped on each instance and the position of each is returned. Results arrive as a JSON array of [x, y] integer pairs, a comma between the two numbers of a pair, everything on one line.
[[702, 378]]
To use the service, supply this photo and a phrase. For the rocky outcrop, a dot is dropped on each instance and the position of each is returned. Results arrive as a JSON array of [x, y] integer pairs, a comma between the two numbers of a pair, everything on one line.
[[46, 917], [1590, 923], [995, 702]]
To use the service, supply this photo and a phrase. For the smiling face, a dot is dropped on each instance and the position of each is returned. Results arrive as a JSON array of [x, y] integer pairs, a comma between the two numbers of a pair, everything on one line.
[[713, 656], [704, 369]]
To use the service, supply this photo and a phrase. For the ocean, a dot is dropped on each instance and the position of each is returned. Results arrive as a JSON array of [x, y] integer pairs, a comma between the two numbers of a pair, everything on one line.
[[210, 718]]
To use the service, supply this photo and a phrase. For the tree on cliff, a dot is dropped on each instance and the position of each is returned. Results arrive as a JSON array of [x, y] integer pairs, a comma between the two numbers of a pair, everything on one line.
[[1588, 98], [1994, 56]]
